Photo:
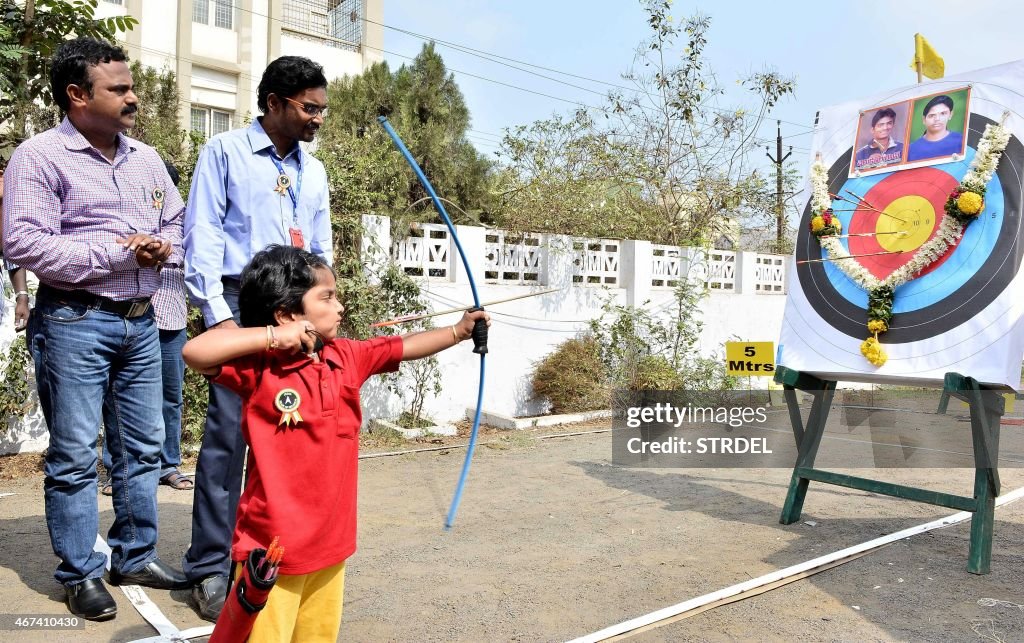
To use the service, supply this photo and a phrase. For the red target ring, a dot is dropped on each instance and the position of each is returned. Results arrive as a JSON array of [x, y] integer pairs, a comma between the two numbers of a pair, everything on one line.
[[909, 222]]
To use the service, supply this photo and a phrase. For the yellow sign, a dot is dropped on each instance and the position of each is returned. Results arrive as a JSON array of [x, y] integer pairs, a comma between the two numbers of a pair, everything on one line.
[[750, 358]]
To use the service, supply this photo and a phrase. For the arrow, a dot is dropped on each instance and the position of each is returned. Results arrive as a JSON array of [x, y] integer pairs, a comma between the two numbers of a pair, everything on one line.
[[901, 233], [408, 318], [864, 203], [869, 254]]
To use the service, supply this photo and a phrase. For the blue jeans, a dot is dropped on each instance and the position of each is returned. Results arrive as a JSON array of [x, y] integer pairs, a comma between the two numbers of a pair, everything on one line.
[[218, 478], [172, 376], [86, 359]]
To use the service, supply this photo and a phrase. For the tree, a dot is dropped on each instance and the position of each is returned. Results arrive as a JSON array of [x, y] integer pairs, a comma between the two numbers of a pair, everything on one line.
[[39, 27], [694, 154], [425, 106], [562, 175], [677, 161]]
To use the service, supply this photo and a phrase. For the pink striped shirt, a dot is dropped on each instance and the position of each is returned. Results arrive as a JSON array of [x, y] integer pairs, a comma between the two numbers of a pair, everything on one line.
[[65, 204], [169, 302]]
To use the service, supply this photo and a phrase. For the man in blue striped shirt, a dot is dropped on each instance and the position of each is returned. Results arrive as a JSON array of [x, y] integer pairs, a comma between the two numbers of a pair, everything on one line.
[[251, 188]]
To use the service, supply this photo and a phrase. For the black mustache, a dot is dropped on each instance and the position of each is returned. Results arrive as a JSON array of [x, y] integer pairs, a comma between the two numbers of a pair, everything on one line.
[[131, 109]]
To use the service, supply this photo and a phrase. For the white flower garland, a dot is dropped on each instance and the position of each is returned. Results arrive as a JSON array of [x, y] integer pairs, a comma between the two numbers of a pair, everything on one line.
[[990, 150]]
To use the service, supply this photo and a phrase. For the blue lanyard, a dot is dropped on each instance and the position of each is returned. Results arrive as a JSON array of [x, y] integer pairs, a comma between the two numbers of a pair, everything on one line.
[[294, 194]]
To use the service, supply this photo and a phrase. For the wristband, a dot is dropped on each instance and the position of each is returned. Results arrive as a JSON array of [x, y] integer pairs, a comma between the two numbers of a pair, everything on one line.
[[20, 293], [455, 334], [271, 338]]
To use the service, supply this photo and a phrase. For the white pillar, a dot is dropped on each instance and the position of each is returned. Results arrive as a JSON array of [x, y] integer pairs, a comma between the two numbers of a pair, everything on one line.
[[556, 260], [635, 271], [746, 273], [473, 240]]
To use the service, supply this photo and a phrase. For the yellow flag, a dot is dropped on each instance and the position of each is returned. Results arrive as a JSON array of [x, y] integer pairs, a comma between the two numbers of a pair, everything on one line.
[[931, 63]]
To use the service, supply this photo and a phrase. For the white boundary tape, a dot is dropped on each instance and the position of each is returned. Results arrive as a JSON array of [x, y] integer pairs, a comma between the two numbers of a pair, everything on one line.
[[736, 592], [167, 632]]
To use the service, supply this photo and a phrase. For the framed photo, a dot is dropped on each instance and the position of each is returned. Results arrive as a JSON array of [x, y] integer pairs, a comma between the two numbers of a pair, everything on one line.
[[938, 126], [920, 131], [881, 138]]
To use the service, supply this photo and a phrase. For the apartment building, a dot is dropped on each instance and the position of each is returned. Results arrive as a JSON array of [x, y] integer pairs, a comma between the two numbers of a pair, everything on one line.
[[219, 48]]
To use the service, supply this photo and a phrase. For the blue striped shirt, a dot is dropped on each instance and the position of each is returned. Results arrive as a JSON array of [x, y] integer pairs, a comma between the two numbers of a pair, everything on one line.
[[234, 211]]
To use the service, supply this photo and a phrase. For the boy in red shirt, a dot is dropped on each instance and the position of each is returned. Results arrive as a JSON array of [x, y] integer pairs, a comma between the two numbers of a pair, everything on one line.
[[301, 416]]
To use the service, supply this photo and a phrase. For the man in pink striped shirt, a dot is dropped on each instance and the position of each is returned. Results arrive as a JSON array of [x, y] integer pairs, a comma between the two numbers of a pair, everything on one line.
[[94, 215]]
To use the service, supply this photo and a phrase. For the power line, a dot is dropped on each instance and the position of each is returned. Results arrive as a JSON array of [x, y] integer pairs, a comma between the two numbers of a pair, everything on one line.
[[755, 140], [484, 54], [491, 56]]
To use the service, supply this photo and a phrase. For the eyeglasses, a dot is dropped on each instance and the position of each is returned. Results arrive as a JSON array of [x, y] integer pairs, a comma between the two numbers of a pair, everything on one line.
[[309, 108]]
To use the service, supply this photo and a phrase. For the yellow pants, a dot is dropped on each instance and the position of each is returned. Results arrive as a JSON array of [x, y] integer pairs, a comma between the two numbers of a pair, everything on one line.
[[304, 608]]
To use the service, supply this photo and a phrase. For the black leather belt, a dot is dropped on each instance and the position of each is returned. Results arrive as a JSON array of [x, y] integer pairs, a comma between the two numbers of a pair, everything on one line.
[[129, 308]]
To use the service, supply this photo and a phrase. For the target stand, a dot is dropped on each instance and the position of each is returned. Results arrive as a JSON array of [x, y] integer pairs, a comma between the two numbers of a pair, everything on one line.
[[987, 406]]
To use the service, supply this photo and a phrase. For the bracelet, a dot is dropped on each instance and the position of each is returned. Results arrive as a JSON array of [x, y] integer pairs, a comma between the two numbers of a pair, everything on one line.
[[455, 334], [271, 338], [20, 293]]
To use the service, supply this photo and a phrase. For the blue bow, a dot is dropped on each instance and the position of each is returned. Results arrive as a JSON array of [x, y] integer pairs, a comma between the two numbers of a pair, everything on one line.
[[479, 329]]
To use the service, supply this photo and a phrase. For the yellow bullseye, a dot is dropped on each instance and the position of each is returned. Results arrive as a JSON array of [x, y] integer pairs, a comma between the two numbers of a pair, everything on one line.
[[918, 222]]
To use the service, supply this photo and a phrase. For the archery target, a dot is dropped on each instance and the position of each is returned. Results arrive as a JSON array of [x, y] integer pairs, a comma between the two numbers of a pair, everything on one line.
[[959, 314]]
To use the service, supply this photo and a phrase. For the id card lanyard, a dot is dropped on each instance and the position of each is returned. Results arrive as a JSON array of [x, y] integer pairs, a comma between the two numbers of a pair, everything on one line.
[[284, 184]]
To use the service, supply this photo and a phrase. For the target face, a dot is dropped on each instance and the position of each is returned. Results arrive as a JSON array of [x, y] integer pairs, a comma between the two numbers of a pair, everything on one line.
[[900, 211]]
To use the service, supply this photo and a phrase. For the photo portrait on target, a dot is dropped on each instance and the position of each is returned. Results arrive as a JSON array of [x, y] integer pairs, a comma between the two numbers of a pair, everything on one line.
[[938, 126], [881, 137]]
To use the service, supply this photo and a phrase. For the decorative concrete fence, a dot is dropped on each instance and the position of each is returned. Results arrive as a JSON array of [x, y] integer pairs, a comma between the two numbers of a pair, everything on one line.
[[744, 299], [744, 303]]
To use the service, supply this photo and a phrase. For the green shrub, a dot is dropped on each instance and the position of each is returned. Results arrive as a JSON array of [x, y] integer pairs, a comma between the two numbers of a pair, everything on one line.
[[655, 373], [15, 402], [573, 378]]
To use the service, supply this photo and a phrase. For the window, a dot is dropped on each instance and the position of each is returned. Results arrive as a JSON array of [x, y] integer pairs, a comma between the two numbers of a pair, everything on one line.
[[119, 2], [209, 122], [223, 12], [201, 11], [341, 19]]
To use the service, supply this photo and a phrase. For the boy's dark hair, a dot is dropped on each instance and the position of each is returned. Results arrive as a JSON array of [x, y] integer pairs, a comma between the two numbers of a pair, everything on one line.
[[276, 279], [287, 76], [172, 172], [882, 113], [941, 99], [71, 63]]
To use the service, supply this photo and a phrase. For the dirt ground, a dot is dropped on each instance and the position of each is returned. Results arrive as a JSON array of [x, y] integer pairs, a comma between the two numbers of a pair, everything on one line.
[[553, 541]]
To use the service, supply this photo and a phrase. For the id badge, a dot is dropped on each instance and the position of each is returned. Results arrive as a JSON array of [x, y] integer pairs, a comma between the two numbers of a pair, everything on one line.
[[296, 235]]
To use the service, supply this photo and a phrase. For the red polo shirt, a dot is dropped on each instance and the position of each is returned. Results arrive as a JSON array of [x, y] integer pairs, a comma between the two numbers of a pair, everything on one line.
[[301, 421]]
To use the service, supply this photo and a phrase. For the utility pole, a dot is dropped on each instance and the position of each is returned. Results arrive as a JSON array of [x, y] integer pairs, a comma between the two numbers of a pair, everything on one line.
[[778, 160]]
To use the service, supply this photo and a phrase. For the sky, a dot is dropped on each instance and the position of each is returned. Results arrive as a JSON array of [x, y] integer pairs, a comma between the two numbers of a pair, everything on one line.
[[836, 50]]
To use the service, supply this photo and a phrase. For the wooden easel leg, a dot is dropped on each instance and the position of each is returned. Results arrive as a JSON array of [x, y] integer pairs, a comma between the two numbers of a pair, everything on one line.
[[808, 441], [794, 499], [987, 407], [980, 558]]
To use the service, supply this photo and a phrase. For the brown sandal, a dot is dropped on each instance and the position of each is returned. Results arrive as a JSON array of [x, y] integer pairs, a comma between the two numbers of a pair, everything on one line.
[[177, 480]]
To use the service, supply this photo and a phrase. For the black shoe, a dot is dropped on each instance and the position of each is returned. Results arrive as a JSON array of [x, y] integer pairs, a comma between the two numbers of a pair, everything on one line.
[[91, 600], [208, 597], [157, 574]]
